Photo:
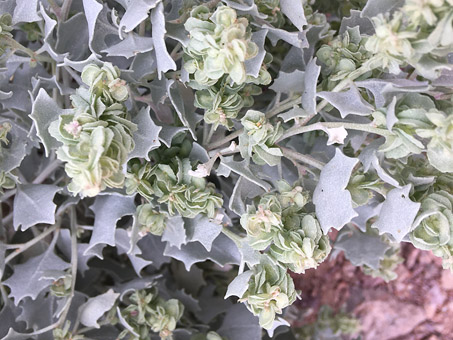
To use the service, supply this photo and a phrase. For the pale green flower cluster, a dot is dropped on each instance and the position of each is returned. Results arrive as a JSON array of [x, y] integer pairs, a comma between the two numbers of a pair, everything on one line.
[[5, 31], [97, 136], [417, 115], [295, 238], [434, 226], [147, 312], [259, 138], [151, 220], [387, 265], [223, 102], [173, 185], [302, 246], [270, 290], [440, 146], [415, 35], [362, 186], [219, 45], [342, 56]]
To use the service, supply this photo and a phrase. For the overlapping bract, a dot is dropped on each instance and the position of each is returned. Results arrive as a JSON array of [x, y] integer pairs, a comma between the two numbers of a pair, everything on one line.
[[270, 290], [259, 138], [173, 185], [219, 44], [98, 136], [434, 226], [148, 312], [295, 238]]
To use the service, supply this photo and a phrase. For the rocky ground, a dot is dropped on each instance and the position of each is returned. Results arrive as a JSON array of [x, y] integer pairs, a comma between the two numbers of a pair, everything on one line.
[[417, 305]]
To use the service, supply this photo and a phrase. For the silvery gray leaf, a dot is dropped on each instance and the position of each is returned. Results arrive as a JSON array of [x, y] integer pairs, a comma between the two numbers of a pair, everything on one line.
[[294, 10], [92, 310], [11, 157], [348, 102], [26, 11], [108, 210], [309, 92], [164, 61], [289, 82], [174, 233], [27, 279], [361, 248], [397, 213], [201, 229], [123, 243], [253, 66], [223, 251], [44, 112], [242, 190], [243, 168], [130, 46], [239, 285], [136, 12], [332, 201], [146, 138], [240, 324], [34, 204], [182, 99]]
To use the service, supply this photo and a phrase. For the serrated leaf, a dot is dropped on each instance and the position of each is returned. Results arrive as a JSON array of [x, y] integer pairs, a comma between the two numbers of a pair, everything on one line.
[[239, 285], [201, 229], [297, 39], [33, 204], [12, 156], [26, 11], [174, 232], [223, 251], [182, 99], [130, 46], [294, 10], [294, 113], [309, 92], [289, 82], [92, 310], [243, 189], [153, 250], [374, 7], [27, 279], [123, 245], [136, 12], [253, 65], [146, 138], [361, 248], [163, 59], [243, 168], [240, 324], [108, 209], [348, 102], [332, 201], [92, 10], [397, 213], [44, 112]]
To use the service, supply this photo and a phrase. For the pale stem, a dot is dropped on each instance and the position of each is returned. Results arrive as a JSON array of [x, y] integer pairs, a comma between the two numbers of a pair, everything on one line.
[[293, 155], [20, 248], [73, 223], [47, 171], [321, 126]]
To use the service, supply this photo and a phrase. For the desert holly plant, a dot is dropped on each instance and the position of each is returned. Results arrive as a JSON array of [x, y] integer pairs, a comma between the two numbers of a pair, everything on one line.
[[168, 167]]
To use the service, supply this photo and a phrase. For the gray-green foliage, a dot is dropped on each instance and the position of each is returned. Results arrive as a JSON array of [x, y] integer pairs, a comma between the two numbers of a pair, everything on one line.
[[148, 143]]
